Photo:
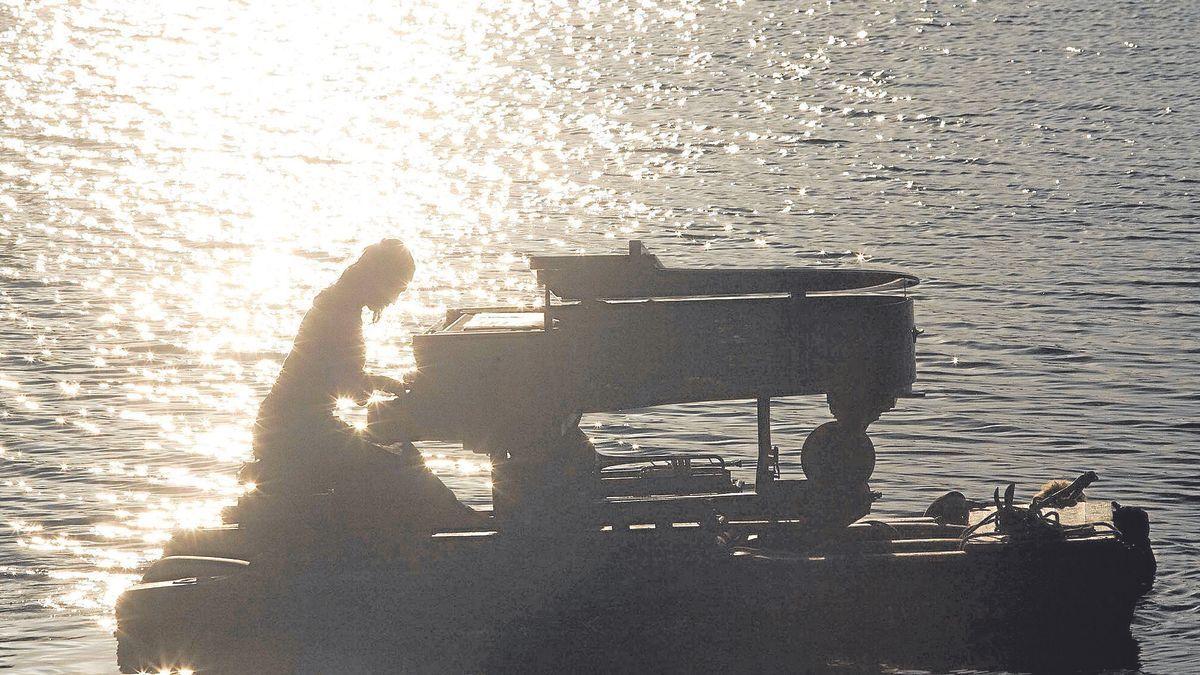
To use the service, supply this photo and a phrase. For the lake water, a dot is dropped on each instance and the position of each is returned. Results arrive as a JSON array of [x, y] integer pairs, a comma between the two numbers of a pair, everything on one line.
[[178, 180]]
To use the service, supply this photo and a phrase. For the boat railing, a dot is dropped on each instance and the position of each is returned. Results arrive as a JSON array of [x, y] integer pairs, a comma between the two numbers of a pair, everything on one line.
[[672, 460]]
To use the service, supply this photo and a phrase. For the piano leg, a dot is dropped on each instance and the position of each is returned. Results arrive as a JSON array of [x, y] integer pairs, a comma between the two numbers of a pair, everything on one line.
[[857, 409], [838, 457]]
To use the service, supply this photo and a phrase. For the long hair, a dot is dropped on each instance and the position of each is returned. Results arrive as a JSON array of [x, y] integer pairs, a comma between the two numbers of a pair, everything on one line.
[[381, 267]]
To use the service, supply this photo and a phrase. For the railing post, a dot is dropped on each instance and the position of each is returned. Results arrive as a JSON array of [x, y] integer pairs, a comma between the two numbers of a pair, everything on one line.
[[765, 472]]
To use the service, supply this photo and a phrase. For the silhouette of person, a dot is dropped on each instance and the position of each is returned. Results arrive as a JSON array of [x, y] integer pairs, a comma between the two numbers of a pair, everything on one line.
[[302, 447]]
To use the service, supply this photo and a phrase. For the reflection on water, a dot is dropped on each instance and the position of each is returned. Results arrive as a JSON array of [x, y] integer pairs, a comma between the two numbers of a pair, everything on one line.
[[177, 182]]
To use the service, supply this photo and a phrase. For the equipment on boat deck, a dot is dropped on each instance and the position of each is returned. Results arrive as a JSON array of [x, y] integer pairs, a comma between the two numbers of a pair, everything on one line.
[[670, 551]]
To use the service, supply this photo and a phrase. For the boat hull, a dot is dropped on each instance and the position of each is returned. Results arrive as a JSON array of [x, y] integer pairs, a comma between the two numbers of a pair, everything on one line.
[[666, 600]]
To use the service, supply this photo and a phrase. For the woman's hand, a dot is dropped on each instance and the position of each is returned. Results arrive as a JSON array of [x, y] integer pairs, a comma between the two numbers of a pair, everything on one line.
[[386, 384]]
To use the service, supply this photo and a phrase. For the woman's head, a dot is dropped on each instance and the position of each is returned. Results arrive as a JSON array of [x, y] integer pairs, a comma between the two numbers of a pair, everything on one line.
[[379, 275]]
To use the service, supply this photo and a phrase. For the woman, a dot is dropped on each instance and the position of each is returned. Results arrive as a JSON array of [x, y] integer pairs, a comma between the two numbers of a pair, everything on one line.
[[301, 447]]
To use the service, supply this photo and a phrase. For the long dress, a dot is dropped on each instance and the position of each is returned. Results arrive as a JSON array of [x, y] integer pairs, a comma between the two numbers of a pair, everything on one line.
[[301, 447]]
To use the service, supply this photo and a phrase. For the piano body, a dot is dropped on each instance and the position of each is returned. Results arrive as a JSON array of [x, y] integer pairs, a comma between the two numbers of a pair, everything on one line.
[[632, 333]]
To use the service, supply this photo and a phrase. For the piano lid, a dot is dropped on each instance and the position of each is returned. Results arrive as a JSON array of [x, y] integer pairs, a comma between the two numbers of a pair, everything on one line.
[[642, 275]]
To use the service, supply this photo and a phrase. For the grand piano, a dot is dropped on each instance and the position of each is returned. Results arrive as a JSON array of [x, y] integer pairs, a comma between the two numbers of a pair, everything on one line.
[[618, 332]]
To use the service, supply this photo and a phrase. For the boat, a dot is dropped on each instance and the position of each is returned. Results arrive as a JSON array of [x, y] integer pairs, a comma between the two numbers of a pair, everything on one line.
[[653, 562]]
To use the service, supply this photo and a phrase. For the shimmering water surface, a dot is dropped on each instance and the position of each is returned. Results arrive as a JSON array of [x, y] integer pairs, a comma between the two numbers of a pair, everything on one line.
[[178, 180]]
